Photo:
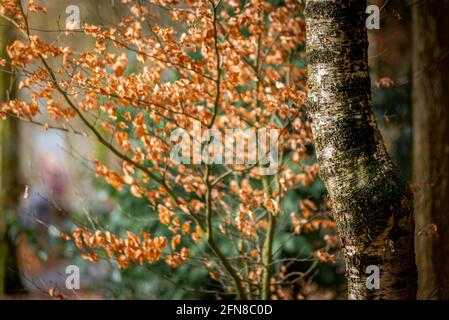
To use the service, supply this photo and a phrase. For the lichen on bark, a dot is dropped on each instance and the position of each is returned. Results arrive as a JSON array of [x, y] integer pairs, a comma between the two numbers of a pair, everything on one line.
[[371, 203]]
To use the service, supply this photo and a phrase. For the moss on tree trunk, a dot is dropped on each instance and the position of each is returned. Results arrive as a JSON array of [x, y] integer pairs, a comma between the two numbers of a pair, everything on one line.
[[371, 203]]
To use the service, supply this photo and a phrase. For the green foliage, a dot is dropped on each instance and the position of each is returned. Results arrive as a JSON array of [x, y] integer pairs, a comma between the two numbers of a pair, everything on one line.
[[120, 211]]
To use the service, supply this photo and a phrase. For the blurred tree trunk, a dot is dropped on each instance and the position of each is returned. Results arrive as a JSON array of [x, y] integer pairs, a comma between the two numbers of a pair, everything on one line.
[[9, 182], [430, 145], [371, 203]]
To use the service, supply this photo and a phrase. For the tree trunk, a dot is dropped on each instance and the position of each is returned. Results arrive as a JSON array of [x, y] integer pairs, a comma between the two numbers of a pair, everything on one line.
[[430, 144], [371, 203], [10, 281]]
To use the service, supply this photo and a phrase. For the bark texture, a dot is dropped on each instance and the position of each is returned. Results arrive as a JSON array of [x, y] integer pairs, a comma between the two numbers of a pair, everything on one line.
[[371, 203], [431, 145]]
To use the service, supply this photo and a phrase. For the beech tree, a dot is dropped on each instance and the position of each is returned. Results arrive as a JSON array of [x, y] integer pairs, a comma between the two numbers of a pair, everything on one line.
[[430, 148], [372, 205], [219, 65]]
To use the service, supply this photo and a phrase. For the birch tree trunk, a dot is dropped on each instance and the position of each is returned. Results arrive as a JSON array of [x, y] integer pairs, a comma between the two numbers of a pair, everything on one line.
[[371, 203], [430, 144]]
